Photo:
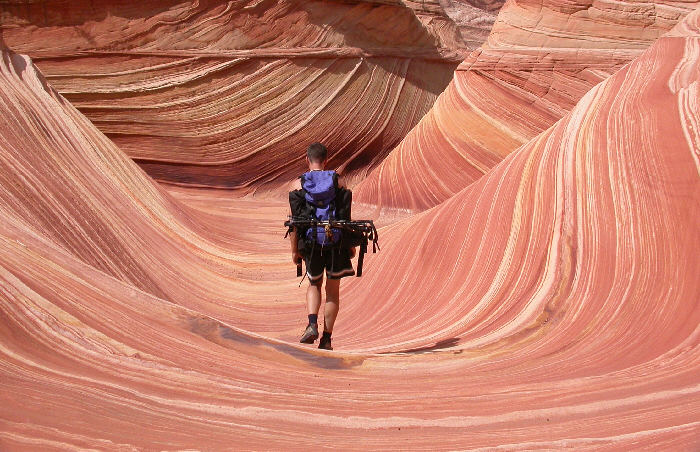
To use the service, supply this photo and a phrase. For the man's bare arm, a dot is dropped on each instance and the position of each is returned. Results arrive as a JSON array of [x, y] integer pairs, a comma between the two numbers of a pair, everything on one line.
[[294, 240]]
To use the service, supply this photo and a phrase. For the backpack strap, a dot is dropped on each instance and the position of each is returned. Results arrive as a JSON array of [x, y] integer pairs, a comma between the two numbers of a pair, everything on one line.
[[343, 204]]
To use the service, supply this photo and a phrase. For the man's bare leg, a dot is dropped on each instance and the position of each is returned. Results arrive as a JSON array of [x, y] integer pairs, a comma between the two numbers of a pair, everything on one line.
[[332, 304], [313, 296], [330, 311], [313, 304]]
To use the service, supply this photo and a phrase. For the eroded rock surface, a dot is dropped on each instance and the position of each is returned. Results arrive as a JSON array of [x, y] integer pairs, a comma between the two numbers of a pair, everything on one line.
[[550, 304], [474, 18], [538, 61], [229, 94]]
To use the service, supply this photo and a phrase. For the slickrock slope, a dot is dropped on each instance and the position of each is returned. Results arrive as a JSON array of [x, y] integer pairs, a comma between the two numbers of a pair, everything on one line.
[[552, 304], [66, 183], [600, 207], [538, 61], [229, 93]]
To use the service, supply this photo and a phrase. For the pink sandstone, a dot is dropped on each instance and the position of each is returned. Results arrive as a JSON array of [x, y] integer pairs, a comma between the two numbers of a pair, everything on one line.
[[527, 75], [222, 93], [550, 304]]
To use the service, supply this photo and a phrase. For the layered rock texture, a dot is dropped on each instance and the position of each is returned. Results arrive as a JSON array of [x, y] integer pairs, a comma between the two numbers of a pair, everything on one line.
[[551, 303], [474, 18], [226, 94], [538, 61]]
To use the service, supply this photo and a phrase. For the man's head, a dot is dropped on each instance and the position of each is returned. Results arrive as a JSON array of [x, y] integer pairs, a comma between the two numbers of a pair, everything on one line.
[[316, 154]]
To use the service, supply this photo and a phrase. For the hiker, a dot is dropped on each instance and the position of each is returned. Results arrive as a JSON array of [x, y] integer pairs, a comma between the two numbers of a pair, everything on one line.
[[319, 195]]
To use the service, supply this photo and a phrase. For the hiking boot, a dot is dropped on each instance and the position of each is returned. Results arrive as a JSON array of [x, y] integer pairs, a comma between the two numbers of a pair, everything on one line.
[[325, 343], [310, 335]]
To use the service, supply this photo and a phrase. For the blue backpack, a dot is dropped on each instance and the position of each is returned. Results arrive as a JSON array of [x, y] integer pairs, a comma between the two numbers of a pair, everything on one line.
[[320, 194]]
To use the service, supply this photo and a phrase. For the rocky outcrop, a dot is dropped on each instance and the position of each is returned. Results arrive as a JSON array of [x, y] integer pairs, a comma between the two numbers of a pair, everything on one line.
[[229, 94], [67, 186], [550, 304], [538, 61], [474, 18]]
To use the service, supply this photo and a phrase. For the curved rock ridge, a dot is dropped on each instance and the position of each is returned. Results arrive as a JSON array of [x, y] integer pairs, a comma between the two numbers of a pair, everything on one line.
[[603, 24], [68, 185], [528, 74], [576, 200], [229, 94], [551, 304], [571, 256]]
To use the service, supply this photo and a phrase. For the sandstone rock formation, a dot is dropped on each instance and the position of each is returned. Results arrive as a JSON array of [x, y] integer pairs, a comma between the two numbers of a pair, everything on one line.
[[474, 18], [538, 61], [229, 93], [550, 304]]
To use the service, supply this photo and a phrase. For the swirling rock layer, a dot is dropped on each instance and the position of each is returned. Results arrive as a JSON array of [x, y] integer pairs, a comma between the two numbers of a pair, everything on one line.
[[538, 61], [551, 304], [229, 94]]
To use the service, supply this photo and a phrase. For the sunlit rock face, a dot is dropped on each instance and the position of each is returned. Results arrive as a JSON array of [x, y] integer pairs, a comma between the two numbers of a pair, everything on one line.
[[538, 61], [551, 304], [229, 94], [69, 187], [474, 18]]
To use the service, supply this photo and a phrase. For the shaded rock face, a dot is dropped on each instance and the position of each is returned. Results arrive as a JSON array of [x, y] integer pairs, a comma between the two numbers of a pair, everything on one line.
[[551, 303], [538, 61], [229, 94]]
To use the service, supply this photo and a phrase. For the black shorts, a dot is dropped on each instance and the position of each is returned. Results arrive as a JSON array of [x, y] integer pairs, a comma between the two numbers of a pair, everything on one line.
[[336, 262]]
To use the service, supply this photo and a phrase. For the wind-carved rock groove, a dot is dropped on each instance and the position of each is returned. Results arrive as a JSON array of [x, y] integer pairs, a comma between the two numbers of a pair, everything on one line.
[[549, 303]]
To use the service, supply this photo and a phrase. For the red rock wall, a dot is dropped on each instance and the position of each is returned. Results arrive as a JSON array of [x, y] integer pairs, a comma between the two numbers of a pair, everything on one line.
[[538, 61], [229, 94], [551, 304], [474, 18]]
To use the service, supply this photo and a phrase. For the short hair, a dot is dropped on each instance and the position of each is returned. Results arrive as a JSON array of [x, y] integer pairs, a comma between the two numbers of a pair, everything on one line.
[[316, 152]]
